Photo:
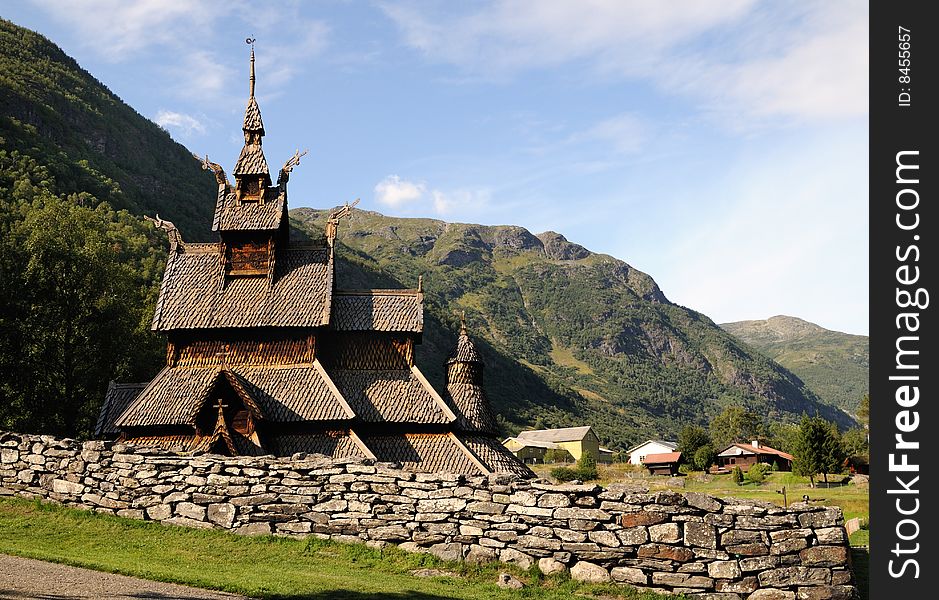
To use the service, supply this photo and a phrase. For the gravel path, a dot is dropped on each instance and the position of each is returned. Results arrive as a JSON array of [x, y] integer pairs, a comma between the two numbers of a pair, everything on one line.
[[28, 578]]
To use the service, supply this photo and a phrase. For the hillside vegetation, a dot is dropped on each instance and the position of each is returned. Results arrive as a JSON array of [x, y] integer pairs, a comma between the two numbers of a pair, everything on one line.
[[570, 336], [835, 365]]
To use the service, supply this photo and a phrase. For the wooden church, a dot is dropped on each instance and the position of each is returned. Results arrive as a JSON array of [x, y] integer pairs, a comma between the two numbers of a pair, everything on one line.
[[265, 355]]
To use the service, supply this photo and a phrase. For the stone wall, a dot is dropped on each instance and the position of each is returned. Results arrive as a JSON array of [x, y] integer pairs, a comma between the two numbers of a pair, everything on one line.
[[711, 548]]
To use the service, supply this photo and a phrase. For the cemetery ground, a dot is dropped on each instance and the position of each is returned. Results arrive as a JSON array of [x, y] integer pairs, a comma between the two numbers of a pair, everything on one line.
[[264, 567]]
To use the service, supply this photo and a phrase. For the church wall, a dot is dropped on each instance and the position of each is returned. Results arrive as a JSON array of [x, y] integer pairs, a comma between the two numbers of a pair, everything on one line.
[[706, 547]]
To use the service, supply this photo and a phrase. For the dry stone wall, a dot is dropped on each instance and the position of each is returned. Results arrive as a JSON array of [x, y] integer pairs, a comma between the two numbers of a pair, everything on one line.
[[692, 543]]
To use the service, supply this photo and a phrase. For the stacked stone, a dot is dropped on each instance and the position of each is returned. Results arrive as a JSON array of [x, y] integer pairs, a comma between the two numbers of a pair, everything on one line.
[[691, 543]]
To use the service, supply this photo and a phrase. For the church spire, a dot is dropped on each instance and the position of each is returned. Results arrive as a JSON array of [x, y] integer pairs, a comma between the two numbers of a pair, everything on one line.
[[251, 172]]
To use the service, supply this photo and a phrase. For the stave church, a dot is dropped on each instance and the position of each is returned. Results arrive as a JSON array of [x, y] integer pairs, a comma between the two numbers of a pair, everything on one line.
[[266, 355]]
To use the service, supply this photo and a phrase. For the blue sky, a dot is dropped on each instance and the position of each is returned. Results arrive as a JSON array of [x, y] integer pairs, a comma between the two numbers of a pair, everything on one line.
[[721, 145]]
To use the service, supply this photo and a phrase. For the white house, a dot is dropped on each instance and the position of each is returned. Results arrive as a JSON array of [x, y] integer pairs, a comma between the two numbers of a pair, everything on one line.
[[637, 453]]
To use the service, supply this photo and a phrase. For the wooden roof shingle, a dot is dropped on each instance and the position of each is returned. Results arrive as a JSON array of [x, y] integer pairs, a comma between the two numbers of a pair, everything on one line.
[[283, 394], [251, 161], [433, 452], [118, 397], [495, 456], [231, 215], [378, 310], [391, 396], [191, 297]]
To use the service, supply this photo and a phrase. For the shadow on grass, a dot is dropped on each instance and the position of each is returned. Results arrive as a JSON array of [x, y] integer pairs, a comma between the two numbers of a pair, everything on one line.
[[860, 564], [350, 595]]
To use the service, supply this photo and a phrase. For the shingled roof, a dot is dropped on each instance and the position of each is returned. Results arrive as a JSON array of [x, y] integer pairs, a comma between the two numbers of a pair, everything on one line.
[[118, 397], [564, 434], [472, 408], [391, 396], [190, 297], [253, 117], [493, 454], [251, 161], [283, 394], [378, 310], [441, 452], [231, 215]]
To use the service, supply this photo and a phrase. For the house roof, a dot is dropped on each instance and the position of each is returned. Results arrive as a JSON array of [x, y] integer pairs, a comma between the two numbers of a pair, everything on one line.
[[192, 295], [492, 454], [232, 215], [465, 349], [118, 397], [564, 434], [391, 396], [670, 445], [378, 310], [251, 161], [761, 449], [662, 458], [442, 452], [283, 394], [531, 443], [472, 408]]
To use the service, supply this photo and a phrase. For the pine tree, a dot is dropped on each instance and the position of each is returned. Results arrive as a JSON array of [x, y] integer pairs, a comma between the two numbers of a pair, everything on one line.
[[818, 449]]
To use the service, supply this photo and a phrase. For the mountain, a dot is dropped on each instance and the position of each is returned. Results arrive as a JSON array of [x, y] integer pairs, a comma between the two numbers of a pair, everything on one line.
[[570, 336], [63, 131], [835, 365]]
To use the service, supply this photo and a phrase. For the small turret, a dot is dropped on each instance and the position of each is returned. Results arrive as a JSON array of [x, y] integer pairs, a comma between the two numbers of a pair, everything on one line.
[[465, 385]]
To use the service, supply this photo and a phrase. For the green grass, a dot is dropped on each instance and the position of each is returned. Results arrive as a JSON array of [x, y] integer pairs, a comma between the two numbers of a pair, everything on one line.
[[267, 567]]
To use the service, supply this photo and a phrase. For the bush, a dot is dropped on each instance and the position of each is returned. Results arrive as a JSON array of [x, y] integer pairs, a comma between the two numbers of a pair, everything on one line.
[[737, 475], [563, 474], [557, 455], [757, 473], [704, 457], [587, 468]]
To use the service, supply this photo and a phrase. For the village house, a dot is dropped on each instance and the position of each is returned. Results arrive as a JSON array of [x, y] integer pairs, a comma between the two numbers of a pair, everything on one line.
[[268, 354], [746, 455], [639, 451], [577, 441], [666, 463]]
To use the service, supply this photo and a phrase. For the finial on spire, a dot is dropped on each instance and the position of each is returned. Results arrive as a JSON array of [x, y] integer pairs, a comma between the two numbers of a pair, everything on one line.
[[462, 322], [250, 41]]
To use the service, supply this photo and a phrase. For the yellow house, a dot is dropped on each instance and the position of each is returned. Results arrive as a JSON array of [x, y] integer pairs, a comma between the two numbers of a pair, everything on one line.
[[576, 440]]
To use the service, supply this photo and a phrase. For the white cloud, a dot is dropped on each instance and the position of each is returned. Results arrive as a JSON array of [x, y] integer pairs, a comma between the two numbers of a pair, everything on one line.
[[737, 58], [417, 197], [185, 124], [396, 192]]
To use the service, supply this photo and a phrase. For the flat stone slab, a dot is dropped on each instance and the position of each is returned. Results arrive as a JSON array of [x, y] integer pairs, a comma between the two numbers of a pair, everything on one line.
[[28, 578]]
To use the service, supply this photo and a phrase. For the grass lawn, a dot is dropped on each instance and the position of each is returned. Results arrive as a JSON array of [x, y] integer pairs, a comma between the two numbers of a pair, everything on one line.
[[268, 567]]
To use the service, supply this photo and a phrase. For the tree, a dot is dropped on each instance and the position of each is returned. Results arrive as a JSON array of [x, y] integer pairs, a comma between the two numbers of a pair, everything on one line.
[[783, 436], [704, 457], [818, 449], [855, 442], [736, 424], [864, 411], [736, 475], [77, 285], [690, 438]]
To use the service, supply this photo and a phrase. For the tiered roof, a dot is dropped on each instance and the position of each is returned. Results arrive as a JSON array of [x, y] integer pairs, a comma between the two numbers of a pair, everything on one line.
[[265, 356]]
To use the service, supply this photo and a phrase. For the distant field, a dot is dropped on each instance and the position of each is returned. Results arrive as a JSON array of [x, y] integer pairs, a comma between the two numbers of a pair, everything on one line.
[[265, 567]]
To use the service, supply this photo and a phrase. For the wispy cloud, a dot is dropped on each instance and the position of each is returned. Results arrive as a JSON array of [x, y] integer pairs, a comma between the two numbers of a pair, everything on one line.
[[186, 125], [780, 65]]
